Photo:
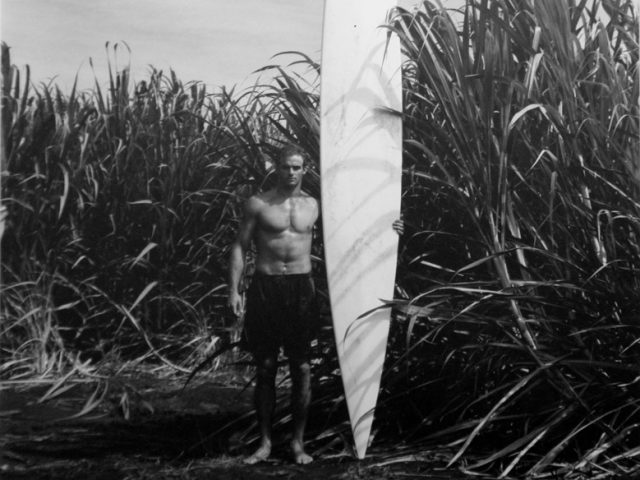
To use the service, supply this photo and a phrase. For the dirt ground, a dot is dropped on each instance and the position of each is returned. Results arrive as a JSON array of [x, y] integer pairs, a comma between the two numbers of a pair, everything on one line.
[[145, 426]]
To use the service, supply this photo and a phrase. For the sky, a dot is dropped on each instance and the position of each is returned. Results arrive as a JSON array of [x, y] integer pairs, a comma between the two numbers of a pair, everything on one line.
[[217, 42]]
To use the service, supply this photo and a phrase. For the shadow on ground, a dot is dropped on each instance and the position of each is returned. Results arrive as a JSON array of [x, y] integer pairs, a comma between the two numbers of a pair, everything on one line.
[[147, 427]]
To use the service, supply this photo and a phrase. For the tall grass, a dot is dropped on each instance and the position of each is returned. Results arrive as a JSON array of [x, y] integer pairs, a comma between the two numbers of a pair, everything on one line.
[[123, 203], [514, 341], [523, 270]]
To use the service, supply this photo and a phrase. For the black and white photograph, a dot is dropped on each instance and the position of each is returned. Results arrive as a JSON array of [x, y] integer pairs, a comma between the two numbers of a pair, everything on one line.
[[320, 239]]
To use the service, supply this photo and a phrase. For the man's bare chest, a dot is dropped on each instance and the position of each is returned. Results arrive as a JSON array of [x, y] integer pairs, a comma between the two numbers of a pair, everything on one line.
[[294, 216]]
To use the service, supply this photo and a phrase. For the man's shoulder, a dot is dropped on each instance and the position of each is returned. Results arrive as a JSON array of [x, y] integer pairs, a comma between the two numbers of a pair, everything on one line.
[[306, 195], [307, 201], [308, 198], [255, 202], [257, 197], [311, 204]]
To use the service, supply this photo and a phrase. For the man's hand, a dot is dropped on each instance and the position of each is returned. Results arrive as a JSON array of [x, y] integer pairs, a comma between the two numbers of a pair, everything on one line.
[[398, 226], [236, 303]]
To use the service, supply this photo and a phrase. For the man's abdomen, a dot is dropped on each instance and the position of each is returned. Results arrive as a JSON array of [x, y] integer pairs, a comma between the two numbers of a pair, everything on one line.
[[282, 256]]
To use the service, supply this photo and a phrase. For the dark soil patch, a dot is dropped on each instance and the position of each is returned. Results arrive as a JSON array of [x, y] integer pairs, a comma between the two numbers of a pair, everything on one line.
[[147, 427]]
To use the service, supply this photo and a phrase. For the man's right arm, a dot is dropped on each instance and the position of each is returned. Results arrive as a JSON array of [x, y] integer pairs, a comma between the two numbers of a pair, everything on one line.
[[238, 252]]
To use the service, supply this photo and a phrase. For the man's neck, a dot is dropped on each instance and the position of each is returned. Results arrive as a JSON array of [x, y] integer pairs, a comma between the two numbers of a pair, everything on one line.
[[285, 191]]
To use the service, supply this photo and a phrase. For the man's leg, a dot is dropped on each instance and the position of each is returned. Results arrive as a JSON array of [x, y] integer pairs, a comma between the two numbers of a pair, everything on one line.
[[300, 399], [264, 397]]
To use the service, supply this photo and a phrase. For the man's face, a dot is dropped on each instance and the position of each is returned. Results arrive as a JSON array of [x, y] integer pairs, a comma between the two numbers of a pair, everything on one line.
[[290, 170]]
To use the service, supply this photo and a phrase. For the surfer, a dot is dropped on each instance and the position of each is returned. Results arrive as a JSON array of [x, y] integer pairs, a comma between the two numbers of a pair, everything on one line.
[[281, 298], [281, 305]]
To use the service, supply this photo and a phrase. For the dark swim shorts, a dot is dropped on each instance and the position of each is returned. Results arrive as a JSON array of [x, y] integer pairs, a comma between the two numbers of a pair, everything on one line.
[[281, 311]]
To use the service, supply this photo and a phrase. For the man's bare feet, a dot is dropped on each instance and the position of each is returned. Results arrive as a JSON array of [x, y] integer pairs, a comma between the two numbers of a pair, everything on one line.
[[299, 455], [260, 455]]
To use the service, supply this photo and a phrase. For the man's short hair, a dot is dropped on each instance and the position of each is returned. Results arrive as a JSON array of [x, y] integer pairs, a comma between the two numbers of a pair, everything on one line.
[[290, 150]]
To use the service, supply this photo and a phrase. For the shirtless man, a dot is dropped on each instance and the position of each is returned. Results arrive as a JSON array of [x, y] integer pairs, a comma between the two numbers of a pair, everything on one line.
[[281, 299]]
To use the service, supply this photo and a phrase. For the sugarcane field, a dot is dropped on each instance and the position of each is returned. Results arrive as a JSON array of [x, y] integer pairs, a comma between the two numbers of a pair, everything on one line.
[[140, 212]]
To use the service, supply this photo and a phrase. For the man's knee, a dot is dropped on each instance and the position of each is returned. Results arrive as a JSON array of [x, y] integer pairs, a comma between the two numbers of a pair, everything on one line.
[[300, 369], [266, 368]]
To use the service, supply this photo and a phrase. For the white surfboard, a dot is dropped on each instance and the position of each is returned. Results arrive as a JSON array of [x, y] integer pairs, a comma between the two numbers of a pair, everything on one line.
[[361, 166]]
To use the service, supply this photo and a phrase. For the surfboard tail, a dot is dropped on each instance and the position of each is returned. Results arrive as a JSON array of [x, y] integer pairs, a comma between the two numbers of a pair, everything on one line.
[[363, 359]]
